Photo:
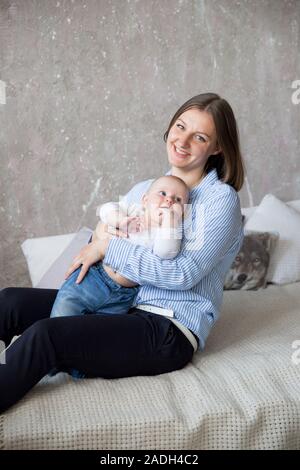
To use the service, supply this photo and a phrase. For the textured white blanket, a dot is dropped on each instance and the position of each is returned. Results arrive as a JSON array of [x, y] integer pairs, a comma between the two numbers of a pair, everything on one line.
[[243, 392]]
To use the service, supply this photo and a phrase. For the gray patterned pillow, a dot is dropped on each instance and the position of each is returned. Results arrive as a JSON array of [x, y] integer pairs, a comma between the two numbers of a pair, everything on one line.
[[250, 267]]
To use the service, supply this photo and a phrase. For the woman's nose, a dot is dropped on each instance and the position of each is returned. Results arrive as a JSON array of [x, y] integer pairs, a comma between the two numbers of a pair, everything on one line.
[[183, 142]]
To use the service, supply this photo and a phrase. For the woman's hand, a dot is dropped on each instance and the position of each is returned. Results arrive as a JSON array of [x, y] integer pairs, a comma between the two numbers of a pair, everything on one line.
[[91, 253], [88, 255]]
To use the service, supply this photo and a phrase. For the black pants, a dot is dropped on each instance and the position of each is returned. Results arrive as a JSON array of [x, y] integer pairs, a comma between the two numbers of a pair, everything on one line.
[[108, 346]]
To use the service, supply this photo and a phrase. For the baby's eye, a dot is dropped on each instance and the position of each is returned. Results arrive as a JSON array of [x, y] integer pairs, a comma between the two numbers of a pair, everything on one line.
[[162, 193], [178, 199]]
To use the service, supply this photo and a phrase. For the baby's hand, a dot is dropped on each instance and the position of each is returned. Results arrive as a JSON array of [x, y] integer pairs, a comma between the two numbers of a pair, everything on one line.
[[178, 212], [171, 217], [130, 224]]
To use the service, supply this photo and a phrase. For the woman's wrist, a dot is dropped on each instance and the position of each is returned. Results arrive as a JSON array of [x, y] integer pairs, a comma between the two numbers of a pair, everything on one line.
[[101, 246]]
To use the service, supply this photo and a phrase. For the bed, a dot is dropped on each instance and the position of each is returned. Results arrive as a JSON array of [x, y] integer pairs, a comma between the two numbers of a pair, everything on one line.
[[242, 392]]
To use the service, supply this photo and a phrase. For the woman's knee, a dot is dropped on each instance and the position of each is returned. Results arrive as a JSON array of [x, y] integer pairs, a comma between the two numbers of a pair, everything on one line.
[[49, 338], [41, 328], [48, 330], [39, 338], [45, 328], [36, 347]]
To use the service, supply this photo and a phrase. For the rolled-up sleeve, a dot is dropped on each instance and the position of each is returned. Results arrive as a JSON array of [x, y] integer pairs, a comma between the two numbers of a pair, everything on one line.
[[218, 233]]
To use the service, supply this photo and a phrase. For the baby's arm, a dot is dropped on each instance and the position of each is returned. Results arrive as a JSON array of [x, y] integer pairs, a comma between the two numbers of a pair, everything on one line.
[[108, 214], [116, 216], [168, 236], [111, 214]]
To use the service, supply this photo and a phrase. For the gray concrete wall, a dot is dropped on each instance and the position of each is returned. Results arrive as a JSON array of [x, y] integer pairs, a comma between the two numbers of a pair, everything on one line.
[[91, 86]]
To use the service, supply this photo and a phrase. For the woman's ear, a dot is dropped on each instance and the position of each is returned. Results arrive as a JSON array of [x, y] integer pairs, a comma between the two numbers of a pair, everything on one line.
[[218, 150]]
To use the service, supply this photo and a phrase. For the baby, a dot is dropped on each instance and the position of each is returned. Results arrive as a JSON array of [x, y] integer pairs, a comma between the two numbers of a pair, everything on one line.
[[156, 224]]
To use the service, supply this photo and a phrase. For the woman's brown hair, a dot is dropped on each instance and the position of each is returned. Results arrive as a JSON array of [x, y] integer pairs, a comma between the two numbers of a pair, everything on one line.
[[229, 162]]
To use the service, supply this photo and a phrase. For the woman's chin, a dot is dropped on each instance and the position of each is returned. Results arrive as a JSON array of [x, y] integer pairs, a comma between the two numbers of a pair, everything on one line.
[[178, 163], [176, 160]]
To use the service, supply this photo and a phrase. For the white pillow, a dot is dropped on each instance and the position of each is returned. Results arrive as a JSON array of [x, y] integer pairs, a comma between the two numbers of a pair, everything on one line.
[[55, 275], [49, 257], [274, 215], [295, 205], [248, 211], [41, 252]]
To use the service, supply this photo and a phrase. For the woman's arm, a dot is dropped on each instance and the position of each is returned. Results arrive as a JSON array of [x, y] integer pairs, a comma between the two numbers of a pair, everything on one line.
[[95, 251], [220, 232]]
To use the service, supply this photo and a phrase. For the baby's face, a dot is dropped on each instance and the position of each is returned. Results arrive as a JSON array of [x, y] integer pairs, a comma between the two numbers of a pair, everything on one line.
[[165, 193]]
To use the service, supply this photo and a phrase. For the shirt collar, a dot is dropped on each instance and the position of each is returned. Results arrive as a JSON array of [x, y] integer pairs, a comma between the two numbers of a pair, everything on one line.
[[208, 180]]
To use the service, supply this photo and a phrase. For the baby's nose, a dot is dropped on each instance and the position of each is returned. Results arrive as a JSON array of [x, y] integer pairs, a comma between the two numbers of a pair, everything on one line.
[[170, 200]]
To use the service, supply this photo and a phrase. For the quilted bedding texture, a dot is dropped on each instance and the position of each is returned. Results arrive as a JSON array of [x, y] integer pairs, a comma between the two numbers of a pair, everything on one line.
[[242, 392]]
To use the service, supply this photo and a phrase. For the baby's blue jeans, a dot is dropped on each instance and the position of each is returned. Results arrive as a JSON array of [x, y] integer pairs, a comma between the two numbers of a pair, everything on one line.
[[97, 293]]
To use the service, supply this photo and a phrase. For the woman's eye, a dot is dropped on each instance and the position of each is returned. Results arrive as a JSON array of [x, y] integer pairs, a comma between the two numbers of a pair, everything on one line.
[[200, 138], [180, 126]]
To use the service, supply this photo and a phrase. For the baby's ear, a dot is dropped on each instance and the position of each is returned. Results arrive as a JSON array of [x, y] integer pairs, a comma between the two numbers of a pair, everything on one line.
[[144, 199]]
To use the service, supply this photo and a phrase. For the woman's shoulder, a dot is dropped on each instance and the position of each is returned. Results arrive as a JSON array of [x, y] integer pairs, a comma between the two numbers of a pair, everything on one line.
[[223, 192], [218, 199], [217, 190], [222, 201], [223, 189]]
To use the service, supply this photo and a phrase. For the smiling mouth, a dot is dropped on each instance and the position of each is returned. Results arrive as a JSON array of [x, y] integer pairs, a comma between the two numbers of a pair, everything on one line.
[[181, 153]]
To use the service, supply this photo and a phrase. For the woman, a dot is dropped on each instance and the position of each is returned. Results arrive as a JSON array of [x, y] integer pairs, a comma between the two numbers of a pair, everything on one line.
[[203, 150]]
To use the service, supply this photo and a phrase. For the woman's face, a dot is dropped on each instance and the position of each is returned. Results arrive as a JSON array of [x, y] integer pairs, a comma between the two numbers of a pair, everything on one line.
[[191, 140]]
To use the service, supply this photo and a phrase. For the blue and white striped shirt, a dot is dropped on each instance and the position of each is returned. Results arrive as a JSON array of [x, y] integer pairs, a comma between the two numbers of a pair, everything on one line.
[[191, 284]]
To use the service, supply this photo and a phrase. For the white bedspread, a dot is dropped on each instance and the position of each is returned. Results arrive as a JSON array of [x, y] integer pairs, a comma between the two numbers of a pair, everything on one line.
[[243, 392]]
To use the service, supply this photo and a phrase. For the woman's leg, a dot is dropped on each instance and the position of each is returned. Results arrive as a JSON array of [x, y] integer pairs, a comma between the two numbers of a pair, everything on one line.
[[21, 307], [109, 346]]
